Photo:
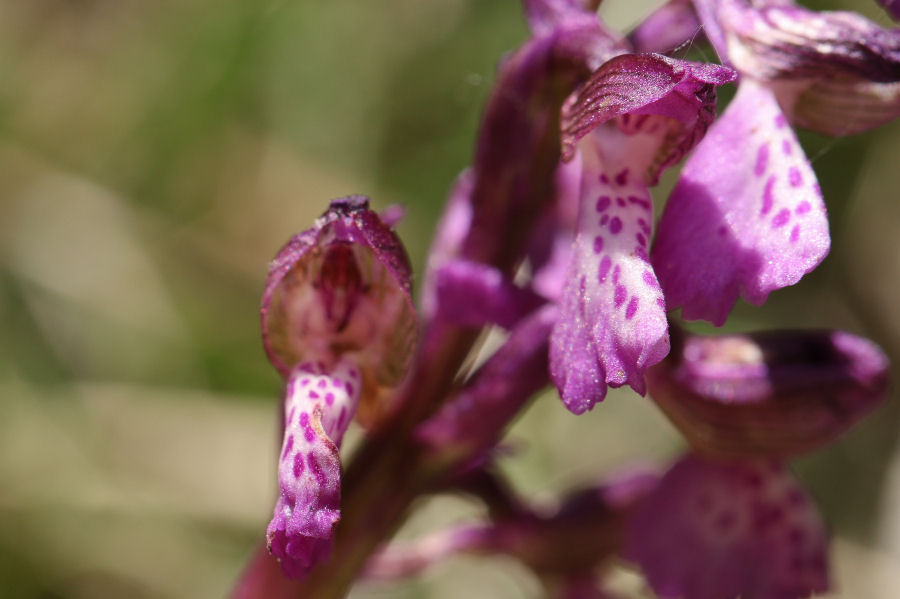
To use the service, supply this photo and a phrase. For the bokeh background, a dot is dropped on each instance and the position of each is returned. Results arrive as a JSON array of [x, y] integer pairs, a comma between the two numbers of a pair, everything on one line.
[[155, 155]]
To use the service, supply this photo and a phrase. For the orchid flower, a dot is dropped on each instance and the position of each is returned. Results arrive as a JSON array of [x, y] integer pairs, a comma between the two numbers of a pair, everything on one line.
[[338, 322], [747, 216]]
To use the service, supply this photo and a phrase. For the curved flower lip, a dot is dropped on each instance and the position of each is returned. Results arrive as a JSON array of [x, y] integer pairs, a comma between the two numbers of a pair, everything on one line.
[[773, 395], [647, 84], [341, 287]]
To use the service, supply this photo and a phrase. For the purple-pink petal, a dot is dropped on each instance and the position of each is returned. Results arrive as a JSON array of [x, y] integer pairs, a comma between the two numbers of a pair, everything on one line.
[[727, 529], [745, 218], [474, 294], [309, 470], [612, 308]]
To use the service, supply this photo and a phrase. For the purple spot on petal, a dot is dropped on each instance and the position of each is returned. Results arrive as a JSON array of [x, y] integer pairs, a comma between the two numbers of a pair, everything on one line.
[[817, 189], [602, 203], [640, 202], [622, 178], [644, 226], [322, 384], [313, 395], [350, 388], [661, 303], [307, 429], [768, 200], [298, 464], [631, 310], [794, 177], [649, 279], [795, 233], [604, 179], [605, 265], [288, 446], [641, 239], [329, 398], [803, 207], [786, 147], [598, 244], [781, 219], [615, 225], [616, 272], [316, 469], [304, 382], [620, 294], [762, 160], [354, 373], [620, 202], [641, 253], [780, 121]]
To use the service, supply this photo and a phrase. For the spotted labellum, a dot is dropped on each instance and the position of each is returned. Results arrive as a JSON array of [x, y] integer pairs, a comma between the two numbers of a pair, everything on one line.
[[338, 323]]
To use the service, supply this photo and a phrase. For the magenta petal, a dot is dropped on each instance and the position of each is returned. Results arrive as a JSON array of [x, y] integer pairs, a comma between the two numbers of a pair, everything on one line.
[[612, 308], [474, 294], [318, 409], [746, 217], [722, 530]]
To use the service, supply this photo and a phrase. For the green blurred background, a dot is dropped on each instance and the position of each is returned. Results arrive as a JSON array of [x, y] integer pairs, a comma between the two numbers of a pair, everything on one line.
[[155, 155]]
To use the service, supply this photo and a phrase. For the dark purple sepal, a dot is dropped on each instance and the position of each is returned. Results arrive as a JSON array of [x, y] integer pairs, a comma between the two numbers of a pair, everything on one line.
[[892, 7], [474, 295], [338, 289], [668, 28], [648, 84], [768, 395], [727, 529], [518, 145]]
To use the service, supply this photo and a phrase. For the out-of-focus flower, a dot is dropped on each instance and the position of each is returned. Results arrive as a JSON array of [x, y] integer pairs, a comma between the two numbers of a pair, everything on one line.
[[338, 323], [747, 217], [714, 529], [768, 395]]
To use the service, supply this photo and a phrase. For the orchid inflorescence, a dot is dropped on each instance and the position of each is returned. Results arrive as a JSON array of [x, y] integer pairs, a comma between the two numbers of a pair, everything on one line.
[[551, 236]]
